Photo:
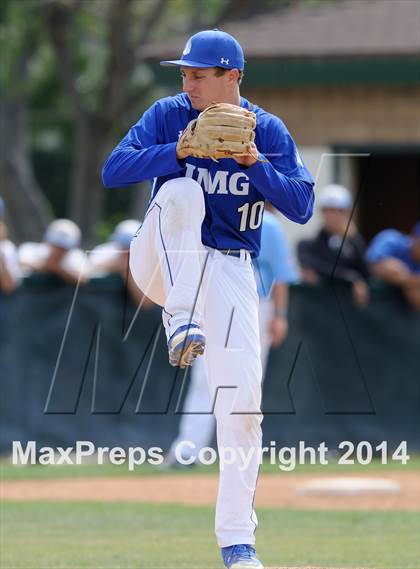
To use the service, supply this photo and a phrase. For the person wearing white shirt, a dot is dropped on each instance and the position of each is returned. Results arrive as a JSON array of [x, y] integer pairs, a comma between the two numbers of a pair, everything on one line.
[[9, 266], [112, 258], [59, 253]]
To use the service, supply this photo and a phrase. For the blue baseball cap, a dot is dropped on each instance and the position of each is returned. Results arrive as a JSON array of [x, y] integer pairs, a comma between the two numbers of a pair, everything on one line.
[[125, 231], [63, 233], [1, 207], [211, 48]]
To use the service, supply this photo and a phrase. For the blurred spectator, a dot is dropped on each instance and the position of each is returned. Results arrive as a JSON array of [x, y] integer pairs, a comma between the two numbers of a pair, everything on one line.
[[338, 251], [112, 258], [9, 266], [274, 270], [58, 254], [395, 259]]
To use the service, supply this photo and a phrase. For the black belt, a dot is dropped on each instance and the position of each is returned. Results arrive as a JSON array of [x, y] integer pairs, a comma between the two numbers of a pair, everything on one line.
[[231, 252]]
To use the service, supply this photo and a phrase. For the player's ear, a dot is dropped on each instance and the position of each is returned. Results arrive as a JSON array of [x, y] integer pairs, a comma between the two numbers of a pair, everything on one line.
[[233, 76]]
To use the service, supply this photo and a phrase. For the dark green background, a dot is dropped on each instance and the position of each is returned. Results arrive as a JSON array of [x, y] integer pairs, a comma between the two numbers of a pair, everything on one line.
[[343, 373]]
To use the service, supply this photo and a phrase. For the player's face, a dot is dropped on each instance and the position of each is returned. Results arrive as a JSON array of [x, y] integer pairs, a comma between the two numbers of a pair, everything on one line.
[[57, 252], [335, 219], [204, 87]]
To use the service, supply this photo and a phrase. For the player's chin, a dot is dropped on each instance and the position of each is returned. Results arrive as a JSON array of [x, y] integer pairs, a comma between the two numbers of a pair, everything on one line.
[[198, 104]]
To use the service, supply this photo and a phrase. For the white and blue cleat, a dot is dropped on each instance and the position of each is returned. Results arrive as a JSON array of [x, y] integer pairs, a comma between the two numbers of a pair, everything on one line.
[[240, 556], [185, 344]]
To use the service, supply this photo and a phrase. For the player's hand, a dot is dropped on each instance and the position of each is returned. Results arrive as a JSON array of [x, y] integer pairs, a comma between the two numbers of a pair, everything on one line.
[[118, 264], [360, 291], [279, 328], [414, 280], [248, 160], [309, 276], [396, 271], [181, 154]]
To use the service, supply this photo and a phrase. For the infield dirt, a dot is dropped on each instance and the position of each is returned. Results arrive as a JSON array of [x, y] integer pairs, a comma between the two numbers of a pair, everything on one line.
[[273, 491]]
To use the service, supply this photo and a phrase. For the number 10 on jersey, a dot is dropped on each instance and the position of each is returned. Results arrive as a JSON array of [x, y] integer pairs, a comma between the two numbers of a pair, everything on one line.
[[251, 215]]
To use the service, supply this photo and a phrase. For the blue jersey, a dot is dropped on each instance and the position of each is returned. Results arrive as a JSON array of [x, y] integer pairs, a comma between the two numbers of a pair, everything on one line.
[[391, 243], [274, 263], [234, 195]]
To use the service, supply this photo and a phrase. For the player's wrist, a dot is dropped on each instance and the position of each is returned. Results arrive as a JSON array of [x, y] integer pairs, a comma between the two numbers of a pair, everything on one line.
[[181, 155], [246, 162], [280, 313]]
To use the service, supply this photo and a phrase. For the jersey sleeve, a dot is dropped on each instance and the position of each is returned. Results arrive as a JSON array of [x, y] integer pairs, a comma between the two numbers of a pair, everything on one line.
[[77, 262], [278, 253], [10, 257], [141, 155], [384, 245], [280, 175]]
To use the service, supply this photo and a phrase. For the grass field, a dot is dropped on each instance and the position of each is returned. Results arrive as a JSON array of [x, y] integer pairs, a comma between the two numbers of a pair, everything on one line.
[[114, 535]]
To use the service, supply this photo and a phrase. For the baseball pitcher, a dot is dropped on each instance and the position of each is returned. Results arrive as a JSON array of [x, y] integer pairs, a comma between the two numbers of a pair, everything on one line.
[[213, 159]]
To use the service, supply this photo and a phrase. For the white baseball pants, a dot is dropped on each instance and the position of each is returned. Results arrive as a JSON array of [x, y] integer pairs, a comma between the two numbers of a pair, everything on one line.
[[170, 265], [197, 423]]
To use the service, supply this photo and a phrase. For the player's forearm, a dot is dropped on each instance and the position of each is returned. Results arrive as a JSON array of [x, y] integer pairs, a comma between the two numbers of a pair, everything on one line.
[[278, 325], [7, 282], [329, 271], [128, 165], [309, 259], [392, 271], [280, 298], [68, 276], [348, 275], [294, 198]]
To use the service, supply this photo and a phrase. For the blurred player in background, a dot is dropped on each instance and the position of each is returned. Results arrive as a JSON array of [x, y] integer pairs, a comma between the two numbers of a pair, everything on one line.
[[9, 266], [274, 270], [338, 251], [58, 254], [112, 258], [395, 259]]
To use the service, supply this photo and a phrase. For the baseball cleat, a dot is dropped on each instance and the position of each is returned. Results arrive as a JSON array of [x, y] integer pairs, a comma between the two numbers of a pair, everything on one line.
[[241, 556], [185, 344]]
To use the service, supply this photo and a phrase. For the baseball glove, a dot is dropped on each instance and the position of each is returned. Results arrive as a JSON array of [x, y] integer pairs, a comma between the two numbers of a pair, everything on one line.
[[222, 130]]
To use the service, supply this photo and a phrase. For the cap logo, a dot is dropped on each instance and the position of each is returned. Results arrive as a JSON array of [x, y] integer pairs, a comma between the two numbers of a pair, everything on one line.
[[224, 61], [187, 48]]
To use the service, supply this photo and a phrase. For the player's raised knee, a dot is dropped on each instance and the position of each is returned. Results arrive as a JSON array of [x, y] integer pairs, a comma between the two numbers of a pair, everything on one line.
[[182, 205], [181, 190]]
